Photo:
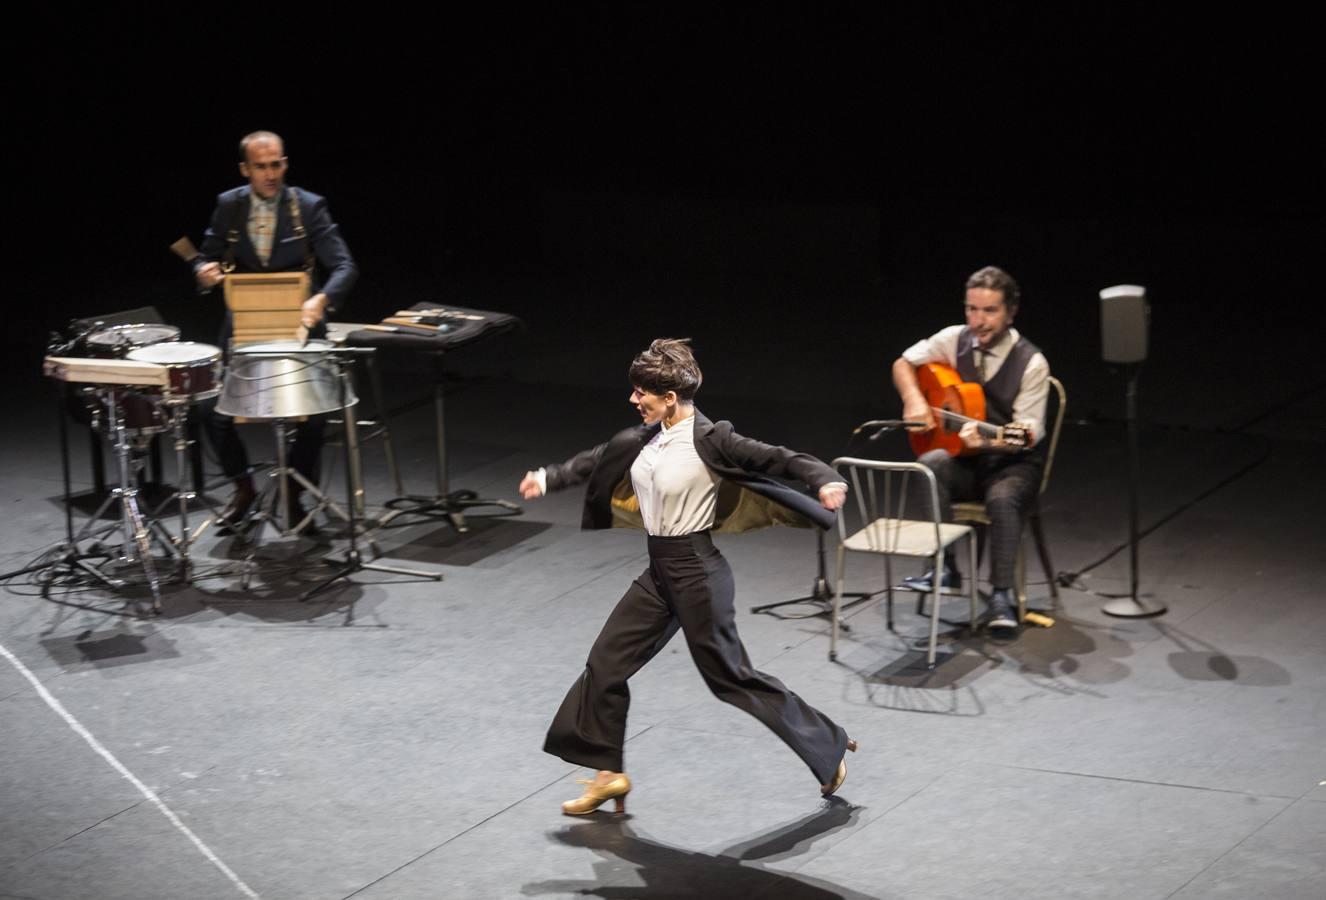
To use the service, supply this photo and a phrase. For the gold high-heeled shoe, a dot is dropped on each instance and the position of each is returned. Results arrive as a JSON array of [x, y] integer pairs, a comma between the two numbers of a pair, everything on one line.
[[841, 775], [597, 793]]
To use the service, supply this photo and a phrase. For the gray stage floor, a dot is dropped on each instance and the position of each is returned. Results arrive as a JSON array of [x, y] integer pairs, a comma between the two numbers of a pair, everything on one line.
[[384, 740]]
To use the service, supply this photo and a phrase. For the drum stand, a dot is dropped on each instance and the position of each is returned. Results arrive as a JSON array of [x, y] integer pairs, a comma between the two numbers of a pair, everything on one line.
[[273, 502], [178, 412], [354, 561], [136, 528]]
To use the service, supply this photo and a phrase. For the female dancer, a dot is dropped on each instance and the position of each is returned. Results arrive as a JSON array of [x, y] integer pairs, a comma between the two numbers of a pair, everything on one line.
[[689, 476]]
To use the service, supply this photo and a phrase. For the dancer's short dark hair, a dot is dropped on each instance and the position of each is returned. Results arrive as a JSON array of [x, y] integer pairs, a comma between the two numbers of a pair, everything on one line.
[[668, 365]]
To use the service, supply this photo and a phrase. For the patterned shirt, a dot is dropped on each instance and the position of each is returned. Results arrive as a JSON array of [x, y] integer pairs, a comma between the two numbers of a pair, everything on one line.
[[262, 224]]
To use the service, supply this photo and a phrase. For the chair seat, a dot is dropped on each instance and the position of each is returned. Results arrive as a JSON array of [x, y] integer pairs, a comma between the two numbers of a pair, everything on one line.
[[904, 537]]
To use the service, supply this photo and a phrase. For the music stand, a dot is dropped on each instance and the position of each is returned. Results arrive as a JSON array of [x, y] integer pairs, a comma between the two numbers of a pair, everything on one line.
[[446, 503], [435, 330]]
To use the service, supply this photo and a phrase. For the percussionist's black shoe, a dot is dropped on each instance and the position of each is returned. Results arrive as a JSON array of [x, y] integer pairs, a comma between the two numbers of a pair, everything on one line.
[[237, 510]]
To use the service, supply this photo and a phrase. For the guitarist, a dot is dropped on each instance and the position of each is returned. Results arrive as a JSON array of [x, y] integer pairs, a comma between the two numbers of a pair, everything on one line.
[[1004, 475]]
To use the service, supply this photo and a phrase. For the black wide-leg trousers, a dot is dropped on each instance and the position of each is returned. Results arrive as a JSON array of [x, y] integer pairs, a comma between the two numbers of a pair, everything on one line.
[[688, 585]]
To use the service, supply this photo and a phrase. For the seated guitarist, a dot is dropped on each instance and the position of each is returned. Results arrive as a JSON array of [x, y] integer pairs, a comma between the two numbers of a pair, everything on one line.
[[1004, 475]]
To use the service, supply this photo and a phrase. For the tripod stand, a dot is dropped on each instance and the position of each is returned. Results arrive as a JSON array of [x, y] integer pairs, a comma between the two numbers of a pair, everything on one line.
[[136, 543], [446, 503], [354, 561], [178, 414], [821, 594], [66, 557]]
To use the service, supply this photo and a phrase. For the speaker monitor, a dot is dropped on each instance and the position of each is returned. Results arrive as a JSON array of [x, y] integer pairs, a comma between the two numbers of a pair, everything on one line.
[[1125, 319]]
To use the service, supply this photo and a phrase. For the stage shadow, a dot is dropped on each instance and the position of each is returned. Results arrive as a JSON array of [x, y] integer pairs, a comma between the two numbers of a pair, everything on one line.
[[488, 536], [110, 648], [1072, 657], [655, 871], [1209, 663]]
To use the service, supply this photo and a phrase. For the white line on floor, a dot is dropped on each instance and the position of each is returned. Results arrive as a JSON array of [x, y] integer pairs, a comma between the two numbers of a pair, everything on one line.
[[129, 776]]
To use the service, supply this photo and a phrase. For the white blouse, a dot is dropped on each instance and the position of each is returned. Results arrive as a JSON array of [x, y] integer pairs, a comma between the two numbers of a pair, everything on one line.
[[678, 493]]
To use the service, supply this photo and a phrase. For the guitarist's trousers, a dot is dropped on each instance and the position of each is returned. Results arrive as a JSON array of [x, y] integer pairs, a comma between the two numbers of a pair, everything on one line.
[[1008, 485]]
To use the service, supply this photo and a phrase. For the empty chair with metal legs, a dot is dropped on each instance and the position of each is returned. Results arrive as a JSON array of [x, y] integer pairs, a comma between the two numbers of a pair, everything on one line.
[[881, 522]]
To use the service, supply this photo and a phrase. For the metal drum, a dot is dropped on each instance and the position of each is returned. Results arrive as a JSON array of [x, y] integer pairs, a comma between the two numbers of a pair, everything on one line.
[[116, 341], [282, 380], [194, 369]]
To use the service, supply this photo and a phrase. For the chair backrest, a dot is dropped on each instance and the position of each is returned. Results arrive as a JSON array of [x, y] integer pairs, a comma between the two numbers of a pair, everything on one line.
[[880, 497], [1061, 397]]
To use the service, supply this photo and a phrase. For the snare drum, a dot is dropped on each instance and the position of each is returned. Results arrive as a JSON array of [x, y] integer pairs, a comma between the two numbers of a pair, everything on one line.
[[118, 340], [194, 370]]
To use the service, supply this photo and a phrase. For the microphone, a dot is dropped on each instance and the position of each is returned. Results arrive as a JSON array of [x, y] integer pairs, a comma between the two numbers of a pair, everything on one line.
[[61, 348], [882, 425]]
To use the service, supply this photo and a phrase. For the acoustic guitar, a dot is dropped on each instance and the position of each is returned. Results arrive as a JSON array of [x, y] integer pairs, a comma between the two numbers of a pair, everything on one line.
[[954, 403]]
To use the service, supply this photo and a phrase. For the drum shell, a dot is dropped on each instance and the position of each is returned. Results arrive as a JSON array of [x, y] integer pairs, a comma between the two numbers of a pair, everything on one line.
[[282, 380], [139, 410], [193, 369]]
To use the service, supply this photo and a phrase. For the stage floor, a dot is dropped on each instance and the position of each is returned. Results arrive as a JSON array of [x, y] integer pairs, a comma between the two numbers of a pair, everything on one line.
[[383, 740]]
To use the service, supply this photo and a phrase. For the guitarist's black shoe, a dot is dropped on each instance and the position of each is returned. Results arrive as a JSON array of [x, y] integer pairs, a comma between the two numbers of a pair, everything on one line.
[[949, 583]]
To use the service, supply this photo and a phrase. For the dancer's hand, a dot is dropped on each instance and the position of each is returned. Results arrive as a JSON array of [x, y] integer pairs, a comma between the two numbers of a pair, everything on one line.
[[833, 496], [529, 486]]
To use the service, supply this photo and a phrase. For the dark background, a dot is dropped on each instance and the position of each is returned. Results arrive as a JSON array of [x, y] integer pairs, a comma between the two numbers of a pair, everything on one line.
[[802, 189]]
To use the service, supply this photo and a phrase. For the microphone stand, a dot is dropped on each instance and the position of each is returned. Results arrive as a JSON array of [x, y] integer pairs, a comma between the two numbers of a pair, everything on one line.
[[354, 561], [67, 552], [821, 593], [67, 555]]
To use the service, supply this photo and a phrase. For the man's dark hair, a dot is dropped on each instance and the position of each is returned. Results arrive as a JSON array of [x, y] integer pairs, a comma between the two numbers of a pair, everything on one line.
[[668, 365], [253, 136], [993, 278]]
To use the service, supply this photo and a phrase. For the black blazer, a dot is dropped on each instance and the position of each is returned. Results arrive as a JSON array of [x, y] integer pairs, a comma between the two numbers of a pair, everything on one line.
[[747, 499], [337, 270]]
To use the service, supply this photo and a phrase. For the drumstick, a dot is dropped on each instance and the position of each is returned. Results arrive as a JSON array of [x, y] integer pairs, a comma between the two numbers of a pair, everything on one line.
[[184, 249]]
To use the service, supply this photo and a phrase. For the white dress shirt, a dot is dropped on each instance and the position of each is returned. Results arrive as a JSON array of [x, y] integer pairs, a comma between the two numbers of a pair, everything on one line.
[[678, 493]]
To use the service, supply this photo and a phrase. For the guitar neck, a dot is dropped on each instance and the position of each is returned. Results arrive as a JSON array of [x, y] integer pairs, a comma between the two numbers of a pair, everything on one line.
[[952, 421]]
